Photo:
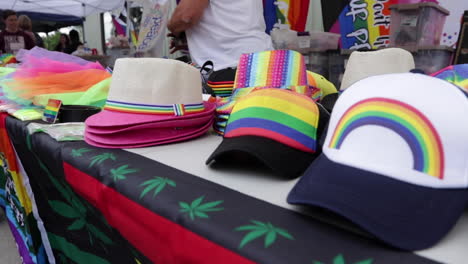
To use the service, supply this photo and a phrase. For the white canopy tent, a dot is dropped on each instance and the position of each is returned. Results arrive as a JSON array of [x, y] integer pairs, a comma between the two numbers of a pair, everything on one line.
[[79, 8]]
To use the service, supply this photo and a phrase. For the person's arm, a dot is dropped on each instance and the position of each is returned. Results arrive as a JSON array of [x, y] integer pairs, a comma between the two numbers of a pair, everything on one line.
[[186, 14], [2, 43]]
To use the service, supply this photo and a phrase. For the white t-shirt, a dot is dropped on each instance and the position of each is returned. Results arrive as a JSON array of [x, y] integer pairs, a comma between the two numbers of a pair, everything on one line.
[[227, 29]]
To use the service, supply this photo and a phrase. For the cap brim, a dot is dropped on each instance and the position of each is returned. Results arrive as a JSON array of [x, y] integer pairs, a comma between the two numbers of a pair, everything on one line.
[[108, 118], [283, 160], [402, 215]]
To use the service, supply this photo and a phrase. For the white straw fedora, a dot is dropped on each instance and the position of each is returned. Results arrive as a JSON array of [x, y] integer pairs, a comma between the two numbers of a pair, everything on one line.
[[363, 64]]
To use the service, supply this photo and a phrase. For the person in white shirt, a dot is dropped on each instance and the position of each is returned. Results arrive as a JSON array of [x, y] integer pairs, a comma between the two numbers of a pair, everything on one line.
[[220, 30]]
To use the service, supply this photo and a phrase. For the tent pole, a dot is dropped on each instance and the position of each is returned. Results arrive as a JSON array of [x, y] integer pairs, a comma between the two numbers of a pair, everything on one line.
[[127, 28], [83, 25]]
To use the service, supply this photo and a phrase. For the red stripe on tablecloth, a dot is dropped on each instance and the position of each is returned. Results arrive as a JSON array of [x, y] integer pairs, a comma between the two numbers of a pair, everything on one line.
[[159, 239]]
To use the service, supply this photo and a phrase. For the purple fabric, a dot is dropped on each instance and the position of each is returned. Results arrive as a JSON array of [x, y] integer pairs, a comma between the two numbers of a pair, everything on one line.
[[23, 251], [53, 55]]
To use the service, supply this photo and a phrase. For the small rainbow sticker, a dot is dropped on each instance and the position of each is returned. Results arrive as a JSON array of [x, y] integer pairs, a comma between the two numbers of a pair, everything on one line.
[[406, 121], [51, 111]]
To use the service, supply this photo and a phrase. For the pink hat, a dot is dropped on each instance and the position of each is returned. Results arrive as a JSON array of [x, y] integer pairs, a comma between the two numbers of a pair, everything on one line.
[[120, 142], [145, 90], [155, 126]]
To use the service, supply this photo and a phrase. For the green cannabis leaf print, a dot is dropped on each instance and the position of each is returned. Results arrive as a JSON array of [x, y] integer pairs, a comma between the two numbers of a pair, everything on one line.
[[101, 158], [259, 229], [158, 184], [339, 259], [79, 152], [120, 172], [79, 216], [197, 209]]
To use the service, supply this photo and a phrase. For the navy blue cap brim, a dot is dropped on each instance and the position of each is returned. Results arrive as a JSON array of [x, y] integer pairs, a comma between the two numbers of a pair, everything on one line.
[[403, 215]]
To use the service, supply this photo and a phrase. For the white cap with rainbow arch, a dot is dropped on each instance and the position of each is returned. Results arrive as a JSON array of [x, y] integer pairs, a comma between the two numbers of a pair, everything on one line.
[[395, 159], [409, 134]]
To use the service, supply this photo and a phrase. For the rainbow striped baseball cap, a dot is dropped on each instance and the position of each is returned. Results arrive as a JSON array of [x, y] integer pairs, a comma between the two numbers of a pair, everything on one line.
[[394, 160], [281, 69], [280, 128]]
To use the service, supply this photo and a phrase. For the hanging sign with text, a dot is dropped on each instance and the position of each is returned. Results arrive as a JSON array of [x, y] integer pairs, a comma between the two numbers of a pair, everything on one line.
[[365, 24]]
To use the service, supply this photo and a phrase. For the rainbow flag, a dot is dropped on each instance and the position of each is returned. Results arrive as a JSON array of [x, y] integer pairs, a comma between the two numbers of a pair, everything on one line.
[[365, 24], [288, 12], [119, 25], [51, 110]]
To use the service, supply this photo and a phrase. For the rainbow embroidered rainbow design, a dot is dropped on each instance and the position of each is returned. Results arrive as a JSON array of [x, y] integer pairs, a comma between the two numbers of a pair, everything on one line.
[[281, 115], [272, 69], [403, 119], [174, 109]]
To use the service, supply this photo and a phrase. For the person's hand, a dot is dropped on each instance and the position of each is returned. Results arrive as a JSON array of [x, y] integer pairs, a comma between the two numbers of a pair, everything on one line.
[[177, 43], [187, 14]]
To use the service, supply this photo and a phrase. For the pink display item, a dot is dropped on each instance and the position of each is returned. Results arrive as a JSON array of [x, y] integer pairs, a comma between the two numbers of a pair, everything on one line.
[[133, 143], [38, 52], [107, 118], [180, 123], [33, 66]]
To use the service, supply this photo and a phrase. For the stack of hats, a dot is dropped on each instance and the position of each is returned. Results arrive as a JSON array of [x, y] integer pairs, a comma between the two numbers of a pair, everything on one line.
[[221, 82], [151, 102], [278, 127], [282, 69], [395, 159]]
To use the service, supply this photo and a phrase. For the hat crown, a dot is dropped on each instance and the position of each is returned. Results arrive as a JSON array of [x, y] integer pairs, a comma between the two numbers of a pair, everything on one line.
[[272, 69], [363, 64], [155, 81], [281, 115], [405, 126]]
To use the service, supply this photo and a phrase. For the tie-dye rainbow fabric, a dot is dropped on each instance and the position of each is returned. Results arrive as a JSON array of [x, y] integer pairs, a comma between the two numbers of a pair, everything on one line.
[[456, 74]]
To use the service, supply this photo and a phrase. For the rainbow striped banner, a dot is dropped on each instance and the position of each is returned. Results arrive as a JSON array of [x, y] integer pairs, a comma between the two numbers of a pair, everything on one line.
[[365, 24]]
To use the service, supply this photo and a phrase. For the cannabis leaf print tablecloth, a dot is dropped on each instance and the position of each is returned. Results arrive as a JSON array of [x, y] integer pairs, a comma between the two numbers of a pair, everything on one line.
[[113, 206]]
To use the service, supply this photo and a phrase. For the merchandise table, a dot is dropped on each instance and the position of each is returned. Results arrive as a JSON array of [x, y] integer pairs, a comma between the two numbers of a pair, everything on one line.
[[164, 205]]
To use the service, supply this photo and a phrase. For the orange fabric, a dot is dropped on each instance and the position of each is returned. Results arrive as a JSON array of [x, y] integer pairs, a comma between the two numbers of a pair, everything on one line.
[[47, 83]]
